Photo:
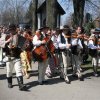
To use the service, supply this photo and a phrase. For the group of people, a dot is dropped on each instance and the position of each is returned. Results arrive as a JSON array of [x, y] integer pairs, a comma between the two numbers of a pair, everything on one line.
[[54, 49]]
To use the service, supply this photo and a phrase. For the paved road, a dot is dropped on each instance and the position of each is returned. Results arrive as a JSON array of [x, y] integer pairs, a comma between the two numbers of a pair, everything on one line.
[[89, 89]]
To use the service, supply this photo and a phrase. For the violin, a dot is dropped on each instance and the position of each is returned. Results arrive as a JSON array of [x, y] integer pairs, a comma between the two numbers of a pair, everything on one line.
[[98, 42], [85, 37], [29, 37]]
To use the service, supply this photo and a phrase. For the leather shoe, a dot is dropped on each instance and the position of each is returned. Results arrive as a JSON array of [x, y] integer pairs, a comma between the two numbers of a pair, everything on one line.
[[45, 81], [67, 81], [49, 76], [40, 83], [96, 75], [61, 77], [81, 78], [74, 75], [10, 85]]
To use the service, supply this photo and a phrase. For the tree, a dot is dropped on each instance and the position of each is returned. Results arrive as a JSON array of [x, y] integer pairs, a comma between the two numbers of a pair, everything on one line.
[[51, 15], [81, 7], [34, 14], [13, 9], [78, 12]]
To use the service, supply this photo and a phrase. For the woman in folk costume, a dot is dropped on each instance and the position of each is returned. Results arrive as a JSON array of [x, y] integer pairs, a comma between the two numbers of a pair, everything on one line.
[[40, 56], [64, 46], [26, 56], [25, 63], [94, 48]]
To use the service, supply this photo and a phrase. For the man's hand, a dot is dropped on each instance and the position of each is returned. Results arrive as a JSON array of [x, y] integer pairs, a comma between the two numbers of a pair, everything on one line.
[[68, 45], [98, 48], [43, 42]]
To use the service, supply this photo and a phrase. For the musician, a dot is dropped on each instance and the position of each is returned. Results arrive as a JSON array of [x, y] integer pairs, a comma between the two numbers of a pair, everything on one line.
[[93, 51], [76, 47], [38, 40], [55, 34], [52, 69], [84, 40], [13, 58], [64, 45]]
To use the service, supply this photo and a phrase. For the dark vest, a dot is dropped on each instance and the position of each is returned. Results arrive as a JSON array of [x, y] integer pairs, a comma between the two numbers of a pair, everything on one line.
[[75, 50], [13, 52], [63, 39], [94, 52]]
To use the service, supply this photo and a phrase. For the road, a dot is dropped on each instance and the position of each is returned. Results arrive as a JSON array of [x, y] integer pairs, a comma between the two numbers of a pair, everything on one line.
[[56, 89]]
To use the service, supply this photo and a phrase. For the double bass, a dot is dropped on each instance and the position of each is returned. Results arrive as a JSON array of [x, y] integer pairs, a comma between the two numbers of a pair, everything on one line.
[[41, 52]]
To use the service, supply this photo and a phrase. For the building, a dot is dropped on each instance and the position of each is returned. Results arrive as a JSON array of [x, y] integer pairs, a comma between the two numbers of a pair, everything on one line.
[[41, 14]]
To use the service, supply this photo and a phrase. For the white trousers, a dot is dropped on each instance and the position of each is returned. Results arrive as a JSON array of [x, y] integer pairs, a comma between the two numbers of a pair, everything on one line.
[[76, 63], [42, 69], [96, 61], [14, 64], [66, 62]]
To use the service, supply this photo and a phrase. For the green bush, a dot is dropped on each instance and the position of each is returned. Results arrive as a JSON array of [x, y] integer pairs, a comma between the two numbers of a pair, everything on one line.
[[88, 26]]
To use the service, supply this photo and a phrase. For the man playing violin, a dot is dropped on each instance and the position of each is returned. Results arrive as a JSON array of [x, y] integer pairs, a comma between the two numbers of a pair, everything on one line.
[[64, 46], [94, 48], [76, 49]]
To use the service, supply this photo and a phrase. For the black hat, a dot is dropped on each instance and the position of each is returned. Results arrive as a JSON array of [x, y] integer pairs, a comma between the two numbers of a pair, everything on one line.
[[96, 31], [43, 27], [58, 29], [27, 27], [65, 27], [12, 27]]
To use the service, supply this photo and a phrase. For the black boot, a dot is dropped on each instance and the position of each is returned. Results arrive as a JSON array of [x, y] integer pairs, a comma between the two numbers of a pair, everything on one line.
[[20, 83], [9, 79]]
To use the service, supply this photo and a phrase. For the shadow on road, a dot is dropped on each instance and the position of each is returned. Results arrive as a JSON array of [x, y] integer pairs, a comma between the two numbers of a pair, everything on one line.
[[2, 76]]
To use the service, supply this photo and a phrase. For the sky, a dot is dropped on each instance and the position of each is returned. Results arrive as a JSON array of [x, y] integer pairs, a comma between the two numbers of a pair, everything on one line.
[[67, 6], [68, 9], [64, 5], [89, 8]]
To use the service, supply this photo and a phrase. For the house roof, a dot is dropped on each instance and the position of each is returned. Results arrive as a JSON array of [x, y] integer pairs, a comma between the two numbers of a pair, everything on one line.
[[60, 10]]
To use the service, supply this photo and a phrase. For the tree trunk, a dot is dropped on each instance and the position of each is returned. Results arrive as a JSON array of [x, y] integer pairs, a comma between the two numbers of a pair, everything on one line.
[[34, 15], [78, 12], [51, 13]]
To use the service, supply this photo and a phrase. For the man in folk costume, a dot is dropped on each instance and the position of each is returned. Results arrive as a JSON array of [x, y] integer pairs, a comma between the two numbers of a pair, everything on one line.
[[64, 46], [84, 40], [76, 47], [38, 41], [56, 61], [53, 63], [13, 58], [93, 51]]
